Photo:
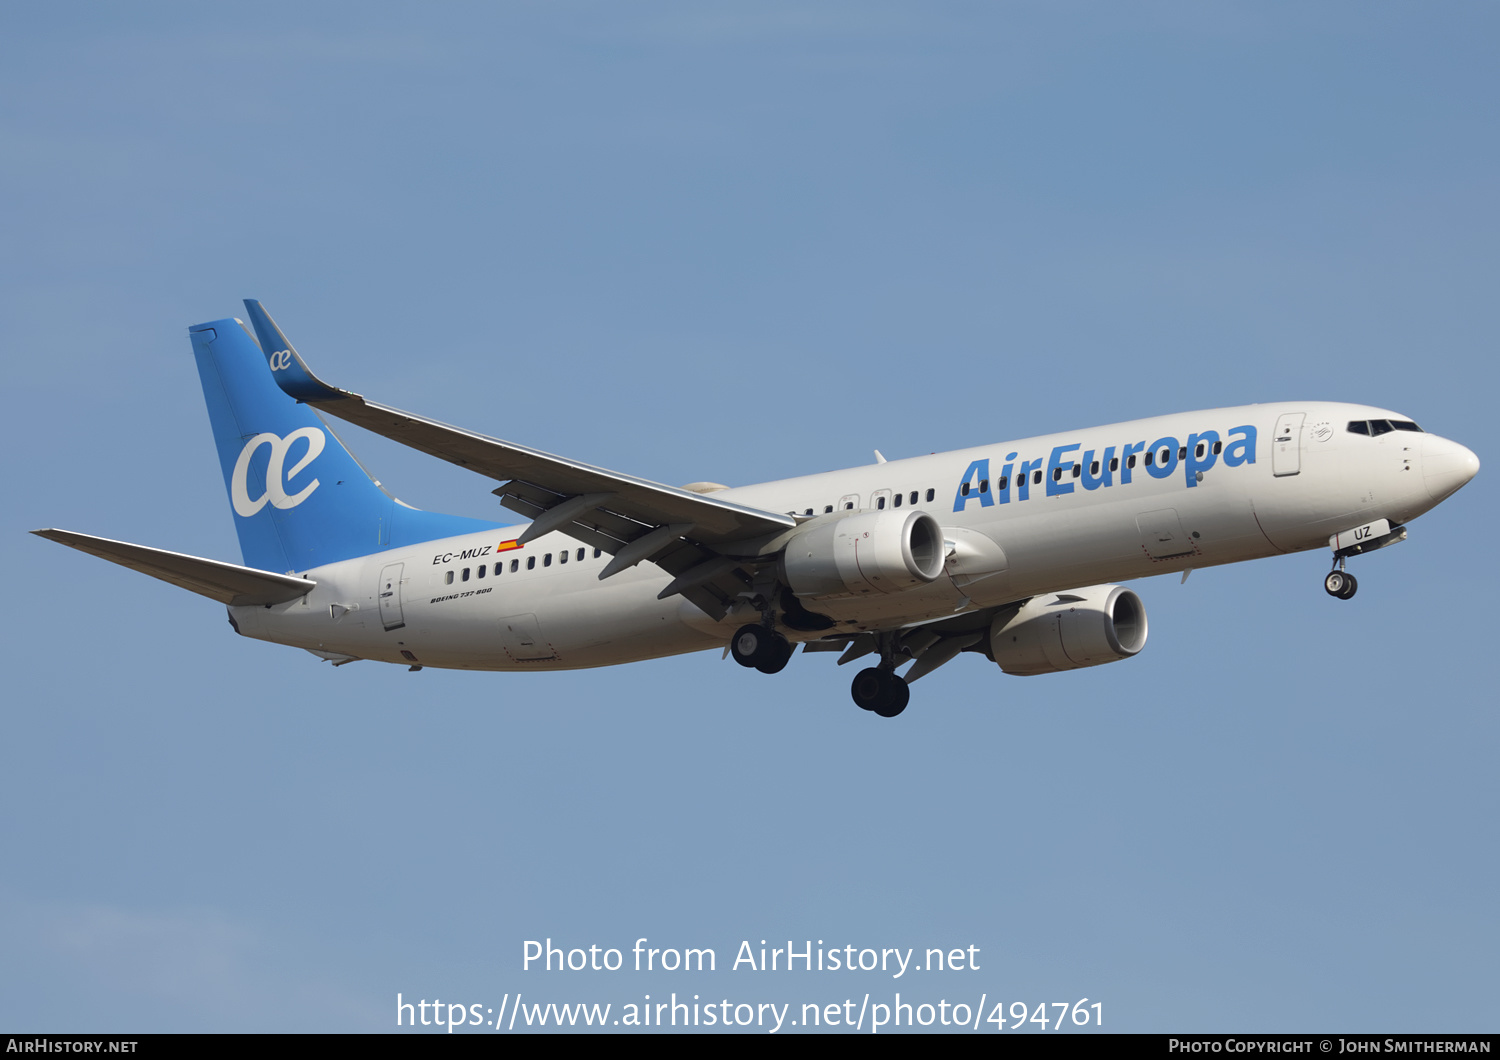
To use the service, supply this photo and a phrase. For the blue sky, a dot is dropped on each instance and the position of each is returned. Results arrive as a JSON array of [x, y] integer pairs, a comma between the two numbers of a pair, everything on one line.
[[739, 242]]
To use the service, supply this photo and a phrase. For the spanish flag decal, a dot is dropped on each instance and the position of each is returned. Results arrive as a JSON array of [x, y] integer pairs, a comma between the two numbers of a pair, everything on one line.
[[508, 546]]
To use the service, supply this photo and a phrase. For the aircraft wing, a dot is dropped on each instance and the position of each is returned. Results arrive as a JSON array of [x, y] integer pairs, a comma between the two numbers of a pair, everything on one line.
[[227, 583], [676, 529]]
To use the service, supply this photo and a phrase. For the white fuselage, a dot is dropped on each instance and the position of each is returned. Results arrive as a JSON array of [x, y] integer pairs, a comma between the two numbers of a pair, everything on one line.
[[1040, 515]]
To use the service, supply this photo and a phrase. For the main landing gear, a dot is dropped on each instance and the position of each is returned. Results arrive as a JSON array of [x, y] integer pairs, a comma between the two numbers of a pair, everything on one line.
[[880, 690], [764, 649]]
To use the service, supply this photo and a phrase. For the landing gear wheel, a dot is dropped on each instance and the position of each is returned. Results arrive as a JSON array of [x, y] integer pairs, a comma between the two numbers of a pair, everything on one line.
[[1340, 584], [899, 696], [866, 689], [778, 654], [880, 691], [764, 649], [749, 644]]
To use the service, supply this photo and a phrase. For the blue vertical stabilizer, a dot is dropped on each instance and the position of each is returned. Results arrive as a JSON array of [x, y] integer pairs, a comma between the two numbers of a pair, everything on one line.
[[300, 499]]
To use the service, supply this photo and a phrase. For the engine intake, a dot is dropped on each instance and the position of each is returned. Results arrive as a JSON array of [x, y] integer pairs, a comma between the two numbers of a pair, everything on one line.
[[1068, 631], [864, 552]]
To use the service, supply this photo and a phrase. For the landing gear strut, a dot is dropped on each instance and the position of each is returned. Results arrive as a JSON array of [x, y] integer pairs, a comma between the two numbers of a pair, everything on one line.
[[880, 690], [761, 648]]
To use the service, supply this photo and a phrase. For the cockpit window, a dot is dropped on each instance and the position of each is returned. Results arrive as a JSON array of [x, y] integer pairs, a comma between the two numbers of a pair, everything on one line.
[[1374, 428]]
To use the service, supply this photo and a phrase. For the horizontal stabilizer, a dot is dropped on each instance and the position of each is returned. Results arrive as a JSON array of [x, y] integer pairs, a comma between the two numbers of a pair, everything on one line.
[[227, 583]]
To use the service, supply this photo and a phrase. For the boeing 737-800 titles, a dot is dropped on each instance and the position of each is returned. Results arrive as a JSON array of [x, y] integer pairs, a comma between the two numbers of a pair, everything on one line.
[[1008, 551]]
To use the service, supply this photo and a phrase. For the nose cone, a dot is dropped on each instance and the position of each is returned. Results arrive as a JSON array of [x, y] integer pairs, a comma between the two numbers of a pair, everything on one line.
[[1446, 466]]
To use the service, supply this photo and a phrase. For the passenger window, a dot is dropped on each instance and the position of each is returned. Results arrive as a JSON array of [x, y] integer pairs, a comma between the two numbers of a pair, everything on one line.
[[1094, 468], [827, 508], [808, 512], [879, 503], [580, 555], [1036, 478], [547, 560], [562, 557], [598, 552], [1130, 460], [1198, 451], [1114, 463], [913, 497], [515, 565], [466, 575], [1181, 453], [1148, 458], [1003, 484], [964, 489], [481, 570], [899, 499], [984, 485], [930, 495], [849, 506], [531, 563], [1218, 448], [1057, 474], [449, 579]]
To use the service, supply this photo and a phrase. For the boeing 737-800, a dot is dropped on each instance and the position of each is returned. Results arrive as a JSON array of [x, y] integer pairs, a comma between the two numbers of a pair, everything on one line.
[[1007, 551]]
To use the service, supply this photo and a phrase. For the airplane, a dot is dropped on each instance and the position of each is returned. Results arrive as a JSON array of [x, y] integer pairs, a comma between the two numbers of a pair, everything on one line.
[[1011, 552]]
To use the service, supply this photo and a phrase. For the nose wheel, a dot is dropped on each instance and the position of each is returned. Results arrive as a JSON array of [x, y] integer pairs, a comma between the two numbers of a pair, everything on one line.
[[1340, 583]]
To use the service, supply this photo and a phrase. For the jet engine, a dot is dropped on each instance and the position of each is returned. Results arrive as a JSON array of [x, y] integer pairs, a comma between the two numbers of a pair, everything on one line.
[[864, 552], [1067, 631]]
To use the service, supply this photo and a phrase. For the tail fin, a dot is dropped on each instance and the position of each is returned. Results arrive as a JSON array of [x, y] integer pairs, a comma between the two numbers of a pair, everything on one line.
[[300, 498]]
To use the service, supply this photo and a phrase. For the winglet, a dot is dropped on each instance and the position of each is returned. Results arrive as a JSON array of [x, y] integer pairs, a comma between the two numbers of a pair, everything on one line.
[[287, 367]]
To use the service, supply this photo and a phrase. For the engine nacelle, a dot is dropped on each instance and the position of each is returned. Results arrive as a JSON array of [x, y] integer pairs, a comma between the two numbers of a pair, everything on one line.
[[1071, 630], [865, 552]]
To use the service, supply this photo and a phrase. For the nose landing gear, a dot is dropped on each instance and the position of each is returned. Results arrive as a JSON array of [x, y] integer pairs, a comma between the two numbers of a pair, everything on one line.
[[1339, 583], [1367, 538]]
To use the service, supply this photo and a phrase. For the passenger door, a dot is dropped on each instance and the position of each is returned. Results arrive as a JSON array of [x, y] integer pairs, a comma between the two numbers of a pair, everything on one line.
[[1286, 444], [389, 592]]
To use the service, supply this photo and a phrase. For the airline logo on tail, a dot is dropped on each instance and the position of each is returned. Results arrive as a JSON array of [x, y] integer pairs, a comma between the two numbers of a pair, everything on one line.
[[276, 473]]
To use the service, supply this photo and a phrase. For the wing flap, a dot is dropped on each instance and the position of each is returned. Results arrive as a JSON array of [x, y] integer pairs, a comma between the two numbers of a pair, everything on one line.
[[227, 583]]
